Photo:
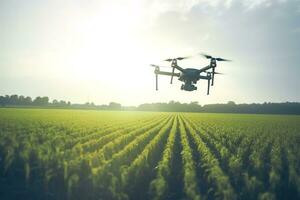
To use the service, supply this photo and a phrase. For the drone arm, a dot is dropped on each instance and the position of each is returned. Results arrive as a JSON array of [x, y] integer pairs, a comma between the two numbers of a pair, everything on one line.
[[178, 68], [205, 68], [167, 73], [204, 77]]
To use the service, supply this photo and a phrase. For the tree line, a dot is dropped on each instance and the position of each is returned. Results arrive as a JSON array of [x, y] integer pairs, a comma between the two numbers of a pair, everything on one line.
[[230, 107], [21, 100], [16, 100], [172, 106]]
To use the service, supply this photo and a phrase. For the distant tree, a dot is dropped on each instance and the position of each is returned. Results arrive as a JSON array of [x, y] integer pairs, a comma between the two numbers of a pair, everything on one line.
[[229, 107], [6, 100], [21, 100], [62, 103], [194, 106], [2, 100], [41, 101], [231, 103], [55, 102], [114, 106], [194, 103], [27, 101], [13, 99]]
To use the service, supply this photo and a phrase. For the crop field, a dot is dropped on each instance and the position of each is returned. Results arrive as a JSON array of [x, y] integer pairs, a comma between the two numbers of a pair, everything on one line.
[[75, 154]]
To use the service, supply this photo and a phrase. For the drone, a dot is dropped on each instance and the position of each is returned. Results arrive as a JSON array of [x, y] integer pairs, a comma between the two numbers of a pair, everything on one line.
[[190, 76]]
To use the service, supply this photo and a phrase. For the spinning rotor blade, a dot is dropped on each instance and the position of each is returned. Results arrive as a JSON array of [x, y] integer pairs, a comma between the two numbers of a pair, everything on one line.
[[213, 76], [178, 58], [206, 56], [181, 58], [157, 66], [217, 59], [222, 59]]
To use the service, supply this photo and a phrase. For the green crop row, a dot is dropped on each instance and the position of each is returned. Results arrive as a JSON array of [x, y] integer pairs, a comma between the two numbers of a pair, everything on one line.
[[65, 154]]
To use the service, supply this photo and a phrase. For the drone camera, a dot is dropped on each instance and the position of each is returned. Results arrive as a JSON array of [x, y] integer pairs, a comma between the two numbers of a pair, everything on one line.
[[188, 87]]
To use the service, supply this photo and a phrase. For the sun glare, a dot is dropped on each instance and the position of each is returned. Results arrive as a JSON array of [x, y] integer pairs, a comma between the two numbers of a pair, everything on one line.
[[108, 46]]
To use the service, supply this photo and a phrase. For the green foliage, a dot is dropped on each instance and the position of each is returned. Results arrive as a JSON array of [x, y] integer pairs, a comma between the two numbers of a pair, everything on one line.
[[159, 185], [65, 154]]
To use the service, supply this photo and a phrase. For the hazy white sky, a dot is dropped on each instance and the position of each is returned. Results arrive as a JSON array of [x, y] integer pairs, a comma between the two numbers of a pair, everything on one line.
[[100, 51]]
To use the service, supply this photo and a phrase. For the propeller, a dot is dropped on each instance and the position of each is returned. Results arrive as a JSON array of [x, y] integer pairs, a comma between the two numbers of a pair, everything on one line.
[[222, 59], [156, 66], [219, 73], [213, 75], [217, 59], [181, 58], [214, 65], [178, 58], [206, 56], [174, 63], [152, 65]]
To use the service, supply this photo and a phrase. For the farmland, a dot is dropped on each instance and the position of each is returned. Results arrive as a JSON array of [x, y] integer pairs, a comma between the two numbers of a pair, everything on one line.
[[73, 154]]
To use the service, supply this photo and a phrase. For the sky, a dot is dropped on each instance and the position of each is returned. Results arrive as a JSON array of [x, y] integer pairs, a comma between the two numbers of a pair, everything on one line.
[[100, 51]]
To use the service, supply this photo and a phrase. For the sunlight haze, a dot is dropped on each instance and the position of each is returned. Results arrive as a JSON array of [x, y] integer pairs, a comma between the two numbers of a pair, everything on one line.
[[100, 51]]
